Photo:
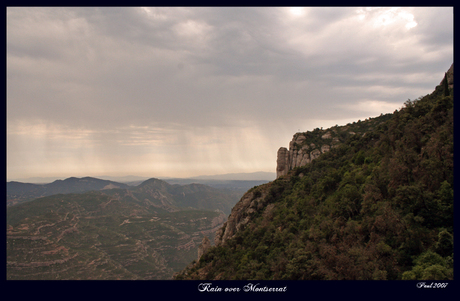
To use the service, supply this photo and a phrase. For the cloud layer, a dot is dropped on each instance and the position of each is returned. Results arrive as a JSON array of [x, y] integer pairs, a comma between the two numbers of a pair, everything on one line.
[[188, 91]]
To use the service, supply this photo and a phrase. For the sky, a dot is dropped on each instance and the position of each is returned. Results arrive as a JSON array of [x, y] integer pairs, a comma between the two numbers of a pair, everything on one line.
[[181, 92]]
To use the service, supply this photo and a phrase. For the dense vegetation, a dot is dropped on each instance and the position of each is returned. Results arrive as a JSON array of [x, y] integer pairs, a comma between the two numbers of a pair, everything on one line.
[[379, 206]]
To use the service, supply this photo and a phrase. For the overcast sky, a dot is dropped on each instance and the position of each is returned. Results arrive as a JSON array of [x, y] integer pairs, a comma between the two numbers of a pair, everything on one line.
[[182, 92]]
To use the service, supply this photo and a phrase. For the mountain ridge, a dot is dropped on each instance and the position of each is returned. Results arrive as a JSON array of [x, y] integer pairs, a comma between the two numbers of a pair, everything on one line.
[[378, 206], [260, 175], [18, 192]]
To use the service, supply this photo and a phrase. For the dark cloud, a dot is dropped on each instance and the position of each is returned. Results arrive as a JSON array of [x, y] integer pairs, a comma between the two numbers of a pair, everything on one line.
[[159, 81]]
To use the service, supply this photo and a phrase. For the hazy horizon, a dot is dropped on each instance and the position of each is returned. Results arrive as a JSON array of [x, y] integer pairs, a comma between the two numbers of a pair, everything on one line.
[[251, 175], [182, 92]]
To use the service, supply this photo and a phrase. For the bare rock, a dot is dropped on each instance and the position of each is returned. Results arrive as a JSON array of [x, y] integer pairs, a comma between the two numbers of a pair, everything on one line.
[[205, 245], [325, 148], [326, 136], [315, 154], [282, 162], [240, 215]]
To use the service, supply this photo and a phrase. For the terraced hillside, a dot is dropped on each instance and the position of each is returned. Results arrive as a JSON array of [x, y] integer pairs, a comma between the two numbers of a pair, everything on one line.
[[113, 234]]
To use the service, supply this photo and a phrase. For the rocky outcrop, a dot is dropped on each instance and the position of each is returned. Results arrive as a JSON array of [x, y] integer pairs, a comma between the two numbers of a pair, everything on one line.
[[307, 146], [251, 202], [216, 224], [205, 245], [282, 162], [302, 151]]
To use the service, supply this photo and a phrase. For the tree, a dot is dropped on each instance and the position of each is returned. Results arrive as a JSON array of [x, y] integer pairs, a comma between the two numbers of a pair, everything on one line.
[[445, 85], [429, 266], [444, 246]]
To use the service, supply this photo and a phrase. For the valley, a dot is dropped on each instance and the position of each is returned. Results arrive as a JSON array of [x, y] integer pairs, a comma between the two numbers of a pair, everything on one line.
[[145, 232]]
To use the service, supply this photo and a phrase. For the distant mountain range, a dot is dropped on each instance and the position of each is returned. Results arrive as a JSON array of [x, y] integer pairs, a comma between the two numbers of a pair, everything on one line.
[[144, 232], [18, 192], [222, 197], [253, 176]]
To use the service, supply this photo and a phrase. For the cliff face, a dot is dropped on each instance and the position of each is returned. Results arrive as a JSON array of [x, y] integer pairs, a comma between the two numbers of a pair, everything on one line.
[[205, 245], [251, 202], [302, 151], [303, 148]]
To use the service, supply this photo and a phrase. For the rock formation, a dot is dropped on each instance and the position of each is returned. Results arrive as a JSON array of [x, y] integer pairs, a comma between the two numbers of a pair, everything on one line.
[[282, 162], [302, 151], [205, 245], [307, 146], [252, 201]]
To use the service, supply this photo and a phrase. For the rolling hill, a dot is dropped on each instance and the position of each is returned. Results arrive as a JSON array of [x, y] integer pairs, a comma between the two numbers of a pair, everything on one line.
[[18, 192], [144, 232]]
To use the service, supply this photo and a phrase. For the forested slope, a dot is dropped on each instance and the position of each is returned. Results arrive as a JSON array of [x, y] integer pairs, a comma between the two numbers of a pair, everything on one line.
[[379, 206]]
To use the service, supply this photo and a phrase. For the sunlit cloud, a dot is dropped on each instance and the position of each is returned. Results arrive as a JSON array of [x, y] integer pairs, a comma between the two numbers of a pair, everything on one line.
[[386, 16], [297, 11]]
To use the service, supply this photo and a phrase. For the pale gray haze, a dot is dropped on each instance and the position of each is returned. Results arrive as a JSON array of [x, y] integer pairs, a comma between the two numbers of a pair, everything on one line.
[[181, 92]]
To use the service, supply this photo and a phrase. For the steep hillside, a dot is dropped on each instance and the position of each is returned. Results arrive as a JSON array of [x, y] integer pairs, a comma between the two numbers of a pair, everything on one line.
[[146, 232], [378, 206]]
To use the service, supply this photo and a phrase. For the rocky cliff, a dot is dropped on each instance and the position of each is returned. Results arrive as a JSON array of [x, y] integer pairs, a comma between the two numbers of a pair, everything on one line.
[[303, 148], [336, 219], [307, 146], [205, 245], [302, 151], [252, 201]]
